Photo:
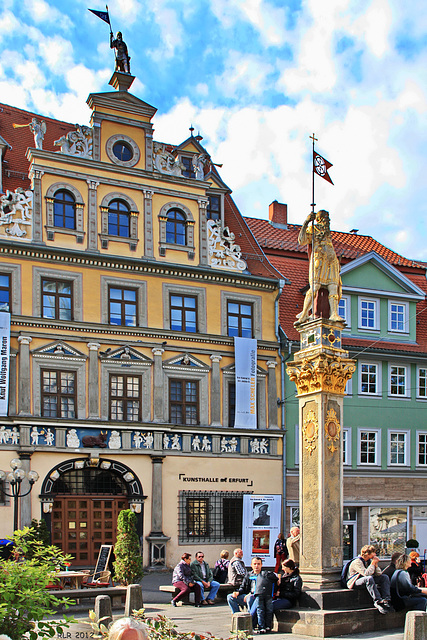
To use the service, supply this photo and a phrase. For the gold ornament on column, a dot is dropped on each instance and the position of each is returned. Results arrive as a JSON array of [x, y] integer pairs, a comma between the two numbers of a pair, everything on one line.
[[310, 431], [332, 429]]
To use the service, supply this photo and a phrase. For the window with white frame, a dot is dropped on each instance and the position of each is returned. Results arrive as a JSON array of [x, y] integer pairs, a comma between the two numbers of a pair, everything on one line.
[[398, 376], [368, 313], [422, 449], [422, 383], [369, 381], [344, 310], [346, 444], [397, 447], [398, 316], [369, 447]]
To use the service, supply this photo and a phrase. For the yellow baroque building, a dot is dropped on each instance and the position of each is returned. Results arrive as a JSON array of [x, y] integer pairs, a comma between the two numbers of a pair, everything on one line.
[[128, 271]]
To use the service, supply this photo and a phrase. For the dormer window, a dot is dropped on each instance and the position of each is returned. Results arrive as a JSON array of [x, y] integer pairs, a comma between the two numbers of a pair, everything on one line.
[[176, 227], [188, 171], [213, 210]]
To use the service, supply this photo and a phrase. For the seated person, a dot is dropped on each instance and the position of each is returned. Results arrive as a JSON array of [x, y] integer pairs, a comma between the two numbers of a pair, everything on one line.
[[416, 570], [204, 578], [182, 579], [220, 572], [391, 568], [404, 593], [289, 586], [256, 592], [236, 569], [364, 573]]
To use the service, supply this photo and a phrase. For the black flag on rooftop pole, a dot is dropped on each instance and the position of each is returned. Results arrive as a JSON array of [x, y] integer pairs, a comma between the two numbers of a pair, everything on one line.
[[101, 14]]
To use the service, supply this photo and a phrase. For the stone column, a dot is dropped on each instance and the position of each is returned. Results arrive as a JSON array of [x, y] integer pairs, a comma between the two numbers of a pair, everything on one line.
[[203, 232], [25, 502], [320, 371], [36, 178], [148, 224], [148, 150], [215, 391], [158, 410], [92, 224], [157, 539], [93, 386], [272, 394], [24, 384]]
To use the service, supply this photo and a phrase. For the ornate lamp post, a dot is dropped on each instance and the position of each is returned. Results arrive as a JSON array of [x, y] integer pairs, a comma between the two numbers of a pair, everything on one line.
[[15, 478]]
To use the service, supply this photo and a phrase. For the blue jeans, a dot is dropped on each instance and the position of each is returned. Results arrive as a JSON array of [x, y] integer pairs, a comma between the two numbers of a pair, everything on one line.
[[415, 602], [236, 603], [264, 610], [281, 603], [212, 592]]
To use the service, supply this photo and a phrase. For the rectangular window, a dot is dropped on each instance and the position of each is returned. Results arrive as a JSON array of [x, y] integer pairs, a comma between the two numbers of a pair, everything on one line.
[[209, 516], [388, 529], [422, 383], [397, 448], [422, 449], [57, 299], [58, 394], [368, 314], [183, 402], [397, 316], [188, 171], [213, 210], [183, 313], [231, 403], [342, 308], [397, 381], [5, 293], [368, 447], [122, 304], [346, 446], [239, 319], [368, 378], [125, 398]]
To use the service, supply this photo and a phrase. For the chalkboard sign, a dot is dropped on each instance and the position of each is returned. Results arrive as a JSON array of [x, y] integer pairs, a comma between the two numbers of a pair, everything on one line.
[[103, 559]]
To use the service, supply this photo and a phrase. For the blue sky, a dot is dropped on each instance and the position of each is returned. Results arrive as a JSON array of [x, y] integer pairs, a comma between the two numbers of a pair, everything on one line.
[[256, 77]]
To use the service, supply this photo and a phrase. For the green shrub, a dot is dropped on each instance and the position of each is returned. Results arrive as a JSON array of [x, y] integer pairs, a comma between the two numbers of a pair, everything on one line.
[[128, 563]]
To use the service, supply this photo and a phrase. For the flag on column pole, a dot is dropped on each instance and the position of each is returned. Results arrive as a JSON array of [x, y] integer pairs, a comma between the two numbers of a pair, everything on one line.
[[102, 14], [321, 166]]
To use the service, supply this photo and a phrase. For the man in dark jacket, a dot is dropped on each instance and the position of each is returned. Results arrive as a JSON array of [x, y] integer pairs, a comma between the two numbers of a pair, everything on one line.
[[257, 593], [204, 578]]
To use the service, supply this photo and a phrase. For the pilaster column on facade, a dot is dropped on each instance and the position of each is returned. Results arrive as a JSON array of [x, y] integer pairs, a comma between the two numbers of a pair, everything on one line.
[[92, 225], [25, 501], [157, 539], [148, 150], [215, 391], [36, 184], [158, 409], [203, 233], [272, 394], [320, 371], [96, 137], [24, 385], [93, 385], [148, 223]]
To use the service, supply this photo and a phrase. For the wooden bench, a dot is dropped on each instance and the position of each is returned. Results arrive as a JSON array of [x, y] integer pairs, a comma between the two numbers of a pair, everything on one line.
[[115, 593], [223, 591]]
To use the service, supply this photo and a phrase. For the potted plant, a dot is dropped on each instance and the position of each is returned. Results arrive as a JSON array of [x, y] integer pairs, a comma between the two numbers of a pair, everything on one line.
[[412, 544]]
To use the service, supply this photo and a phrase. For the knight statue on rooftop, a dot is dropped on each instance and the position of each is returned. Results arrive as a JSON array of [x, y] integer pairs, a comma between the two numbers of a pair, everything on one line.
[[122, 56], [324, 271]]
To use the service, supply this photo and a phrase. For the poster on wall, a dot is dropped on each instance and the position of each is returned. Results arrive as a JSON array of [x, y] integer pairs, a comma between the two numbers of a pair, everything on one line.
[[245, 356], [4, 361], [260, 527]]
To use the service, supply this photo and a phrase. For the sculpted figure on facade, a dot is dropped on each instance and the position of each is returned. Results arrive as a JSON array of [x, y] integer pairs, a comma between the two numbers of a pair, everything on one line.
[[77, 143], [223, 251], [37, 128], [165, 162], [16, 211], [122, 56], [324, 270], [199, 162]]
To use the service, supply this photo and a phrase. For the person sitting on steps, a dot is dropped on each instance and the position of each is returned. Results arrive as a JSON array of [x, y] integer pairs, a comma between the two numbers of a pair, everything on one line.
[[364, 573]]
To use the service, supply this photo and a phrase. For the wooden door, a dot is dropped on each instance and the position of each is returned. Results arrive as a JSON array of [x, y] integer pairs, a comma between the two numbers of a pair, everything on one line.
[[81, 524]]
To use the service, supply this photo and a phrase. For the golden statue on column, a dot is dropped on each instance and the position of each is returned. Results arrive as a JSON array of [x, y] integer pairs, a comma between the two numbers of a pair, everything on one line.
[[324, 272]]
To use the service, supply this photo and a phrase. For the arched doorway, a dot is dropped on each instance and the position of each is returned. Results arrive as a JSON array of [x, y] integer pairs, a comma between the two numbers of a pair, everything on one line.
[[85, 497]]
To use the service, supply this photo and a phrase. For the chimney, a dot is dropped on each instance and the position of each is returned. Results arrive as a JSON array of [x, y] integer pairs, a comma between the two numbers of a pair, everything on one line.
[[278, 214]]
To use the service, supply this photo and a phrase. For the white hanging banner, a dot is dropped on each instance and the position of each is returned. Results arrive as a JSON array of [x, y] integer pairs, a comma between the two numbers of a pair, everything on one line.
[[260, 527], [4, 362], [245, 357]]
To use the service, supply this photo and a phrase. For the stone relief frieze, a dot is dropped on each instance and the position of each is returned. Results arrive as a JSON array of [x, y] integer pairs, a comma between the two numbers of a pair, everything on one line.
[[165, 162], [9, 436], [42, 437], [224, 253], [77, 143], [16, 214]]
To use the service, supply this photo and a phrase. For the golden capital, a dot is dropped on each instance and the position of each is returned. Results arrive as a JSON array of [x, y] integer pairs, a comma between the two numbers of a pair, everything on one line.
[[321, 372]]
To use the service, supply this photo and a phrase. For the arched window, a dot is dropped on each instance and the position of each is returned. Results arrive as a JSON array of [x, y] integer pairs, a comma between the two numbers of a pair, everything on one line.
[[118, 219], [64, 210], [176, 227]]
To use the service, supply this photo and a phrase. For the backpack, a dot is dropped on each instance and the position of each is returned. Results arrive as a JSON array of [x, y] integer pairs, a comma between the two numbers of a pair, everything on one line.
[[344, 572], [220, 573]]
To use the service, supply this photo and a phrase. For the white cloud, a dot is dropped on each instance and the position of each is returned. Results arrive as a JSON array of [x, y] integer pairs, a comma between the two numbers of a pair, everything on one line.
[[57, 53], [268, 20], [246, 74], [171, 30], [40, 11]]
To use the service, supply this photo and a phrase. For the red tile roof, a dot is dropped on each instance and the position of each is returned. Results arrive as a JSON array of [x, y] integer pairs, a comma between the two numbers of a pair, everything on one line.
[[281, 246], [15, 164]]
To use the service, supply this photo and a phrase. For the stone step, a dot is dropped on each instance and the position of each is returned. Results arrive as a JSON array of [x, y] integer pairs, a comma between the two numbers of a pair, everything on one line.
[[335, 599]]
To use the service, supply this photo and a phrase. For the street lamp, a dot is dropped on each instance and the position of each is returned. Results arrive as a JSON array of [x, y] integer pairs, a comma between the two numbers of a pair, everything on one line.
[[15, 478]]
